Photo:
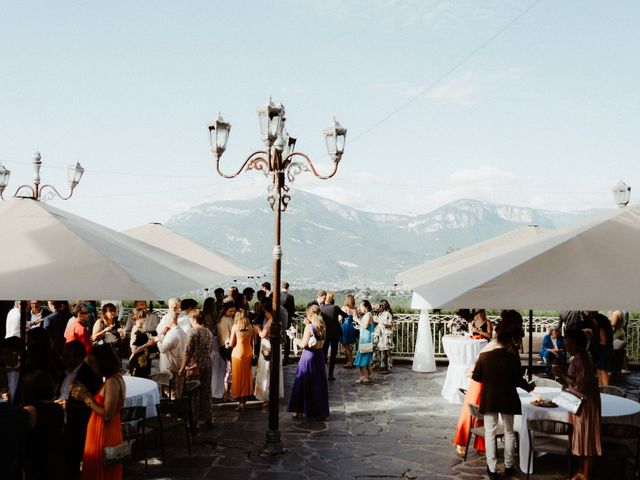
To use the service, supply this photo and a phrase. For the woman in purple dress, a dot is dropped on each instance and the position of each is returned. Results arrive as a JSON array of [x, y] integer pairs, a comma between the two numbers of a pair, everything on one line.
[[310, 393]]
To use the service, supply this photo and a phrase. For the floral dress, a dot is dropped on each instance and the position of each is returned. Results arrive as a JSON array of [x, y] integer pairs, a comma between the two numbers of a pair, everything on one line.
[[199, 346], [384, 331]]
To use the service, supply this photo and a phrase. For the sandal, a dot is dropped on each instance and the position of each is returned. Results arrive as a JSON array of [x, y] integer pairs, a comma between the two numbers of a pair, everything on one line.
[[296, 415]]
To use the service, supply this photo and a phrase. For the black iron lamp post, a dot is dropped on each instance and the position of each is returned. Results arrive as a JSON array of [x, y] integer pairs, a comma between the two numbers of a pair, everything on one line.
[[282, 164]]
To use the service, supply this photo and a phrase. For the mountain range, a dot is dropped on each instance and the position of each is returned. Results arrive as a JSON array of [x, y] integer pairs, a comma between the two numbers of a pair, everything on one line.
[[327, 244]]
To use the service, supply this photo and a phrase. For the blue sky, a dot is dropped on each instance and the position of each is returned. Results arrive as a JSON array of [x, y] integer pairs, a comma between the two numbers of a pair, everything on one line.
[[538, 102]]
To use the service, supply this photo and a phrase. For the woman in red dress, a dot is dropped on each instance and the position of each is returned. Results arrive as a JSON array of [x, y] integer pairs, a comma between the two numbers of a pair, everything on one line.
[[104, 429]]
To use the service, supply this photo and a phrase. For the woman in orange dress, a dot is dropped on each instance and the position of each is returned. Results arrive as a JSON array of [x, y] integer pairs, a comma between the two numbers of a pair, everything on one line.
[[242, 335], [104, 428]]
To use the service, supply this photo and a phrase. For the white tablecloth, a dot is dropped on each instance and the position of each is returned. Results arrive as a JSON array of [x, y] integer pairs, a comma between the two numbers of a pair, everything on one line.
[[614, 410], [142, 392], [461, 352]]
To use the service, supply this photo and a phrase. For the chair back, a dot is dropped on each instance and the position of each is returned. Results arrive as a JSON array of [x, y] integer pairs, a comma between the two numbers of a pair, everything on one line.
[[620, 431], [550, 427], [613, 390], [474, 411], [174, 408], [162, 378], [132, 414]]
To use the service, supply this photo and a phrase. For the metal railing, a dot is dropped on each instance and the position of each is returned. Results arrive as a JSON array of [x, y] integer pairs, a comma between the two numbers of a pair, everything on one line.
[[407, 332]]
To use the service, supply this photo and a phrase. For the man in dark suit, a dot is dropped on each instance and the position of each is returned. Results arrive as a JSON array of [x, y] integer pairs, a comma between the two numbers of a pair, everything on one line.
[[331, 314], [76, 370], [500, 373], [288, 302], [320, 299]]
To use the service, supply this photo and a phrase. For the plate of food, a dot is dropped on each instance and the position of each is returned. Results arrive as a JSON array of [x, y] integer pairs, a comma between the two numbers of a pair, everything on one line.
[[544, 403]]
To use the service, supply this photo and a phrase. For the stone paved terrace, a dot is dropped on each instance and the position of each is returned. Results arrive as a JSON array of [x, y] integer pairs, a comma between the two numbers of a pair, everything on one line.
[[399, 427]]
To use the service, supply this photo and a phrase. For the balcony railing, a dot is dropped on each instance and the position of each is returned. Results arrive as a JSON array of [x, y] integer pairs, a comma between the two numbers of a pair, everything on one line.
[[407, 332]]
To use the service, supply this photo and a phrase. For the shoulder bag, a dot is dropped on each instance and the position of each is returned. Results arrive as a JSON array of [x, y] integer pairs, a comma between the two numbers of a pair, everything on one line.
[[117, 453]]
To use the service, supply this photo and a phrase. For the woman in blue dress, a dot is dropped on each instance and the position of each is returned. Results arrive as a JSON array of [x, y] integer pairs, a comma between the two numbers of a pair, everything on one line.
[[348, 330], [364, 357], [310, 392]]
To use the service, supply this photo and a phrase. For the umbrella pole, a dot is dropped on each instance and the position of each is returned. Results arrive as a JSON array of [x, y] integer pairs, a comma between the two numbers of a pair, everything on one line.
[[530, 370]]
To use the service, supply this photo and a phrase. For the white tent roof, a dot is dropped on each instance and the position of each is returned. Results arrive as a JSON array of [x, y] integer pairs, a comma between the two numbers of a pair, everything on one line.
[[49, 253], [592, 265], [162, 237]]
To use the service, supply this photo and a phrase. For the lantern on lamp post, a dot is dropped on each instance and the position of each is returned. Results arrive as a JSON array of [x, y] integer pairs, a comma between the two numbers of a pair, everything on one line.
[[621, 194], [281, 163], [36, 191]]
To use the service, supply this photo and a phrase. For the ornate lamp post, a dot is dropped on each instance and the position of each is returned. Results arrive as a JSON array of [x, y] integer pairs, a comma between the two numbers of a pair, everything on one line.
[[282, 163], [622, 194], [35, 191]]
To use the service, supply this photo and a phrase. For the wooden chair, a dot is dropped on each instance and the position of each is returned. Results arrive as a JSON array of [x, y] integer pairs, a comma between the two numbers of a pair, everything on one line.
[[613, 390], [623, 441], [478, 431], [172, 415], [133, 420], [540, 440]]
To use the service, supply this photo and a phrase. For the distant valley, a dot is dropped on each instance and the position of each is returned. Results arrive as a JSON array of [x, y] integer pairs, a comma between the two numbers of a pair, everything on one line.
[[335, 246]]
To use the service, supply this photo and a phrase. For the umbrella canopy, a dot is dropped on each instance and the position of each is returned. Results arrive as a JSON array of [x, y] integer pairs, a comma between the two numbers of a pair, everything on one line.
[[162, 237], [50, 253], [589, 266]]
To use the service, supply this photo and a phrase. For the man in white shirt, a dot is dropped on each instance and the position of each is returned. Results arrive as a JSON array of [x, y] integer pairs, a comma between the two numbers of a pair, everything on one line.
[[170, 316], [13, 321], [172, 344]]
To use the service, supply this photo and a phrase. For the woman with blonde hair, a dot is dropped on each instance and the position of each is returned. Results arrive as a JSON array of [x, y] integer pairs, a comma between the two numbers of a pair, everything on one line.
[[140, 361], [242, 336], [310, 391], [349, 329]]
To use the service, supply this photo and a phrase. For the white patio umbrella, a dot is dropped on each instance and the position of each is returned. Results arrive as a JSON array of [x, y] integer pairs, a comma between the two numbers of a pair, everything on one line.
[[50, 253], [589, 266], [433, 269], [162, 237]]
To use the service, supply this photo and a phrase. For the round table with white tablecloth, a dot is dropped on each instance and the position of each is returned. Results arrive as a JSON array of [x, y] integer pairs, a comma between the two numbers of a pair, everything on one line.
[[141, 392], [461, 352], [614, 410]]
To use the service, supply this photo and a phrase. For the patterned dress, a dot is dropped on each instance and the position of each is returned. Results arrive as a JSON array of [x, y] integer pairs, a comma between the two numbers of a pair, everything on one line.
[[199, 345], [385, 331]]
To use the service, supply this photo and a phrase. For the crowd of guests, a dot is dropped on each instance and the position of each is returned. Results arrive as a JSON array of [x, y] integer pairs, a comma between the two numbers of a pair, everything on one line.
[[329, 329], [581, 359]]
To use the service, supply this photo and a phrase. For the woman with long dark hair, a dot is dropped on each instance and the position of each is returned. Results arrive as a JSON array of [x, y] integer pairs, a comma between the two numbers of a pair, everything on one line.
[[104, 428], [586, 424]]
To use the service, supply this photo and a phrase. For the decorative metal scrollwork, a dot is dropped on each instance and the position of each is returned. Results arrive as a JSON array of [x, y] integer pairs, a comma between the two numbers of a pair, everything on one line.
[[260, 164], [294, 169]]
